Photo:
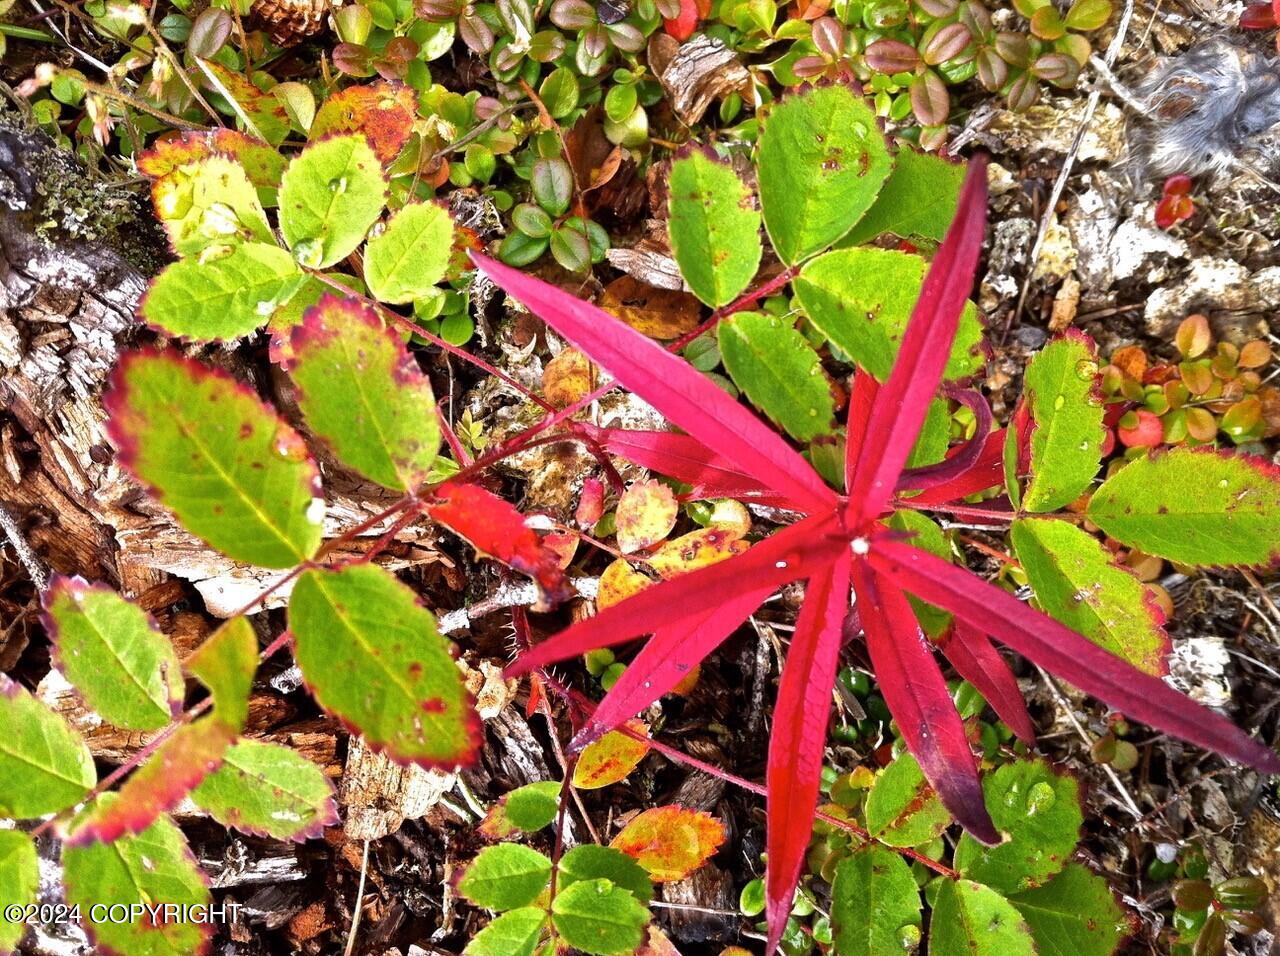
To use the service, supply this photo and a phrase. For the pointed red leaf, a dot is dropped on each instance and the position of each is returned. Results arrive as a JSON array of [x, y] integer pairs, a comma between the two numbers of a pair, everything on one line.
[[986, 472], [976, 660], [672, 386], [790, 554], [903, 402], [496, 528], [960, 459], [1063, 652], [799, 737], [862, 398], [912, 684]]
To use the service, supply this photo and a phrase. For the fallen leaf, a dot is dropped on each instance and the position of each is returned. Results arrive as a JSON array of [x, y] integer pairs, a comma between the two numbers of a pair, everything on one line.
[[646, 514], [657, 313], [670, 842]]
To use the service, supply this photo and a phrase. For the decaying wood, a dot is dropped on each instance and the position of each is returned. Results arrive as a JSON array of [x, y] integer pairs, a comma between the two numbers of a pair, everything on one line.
[[701, 70]]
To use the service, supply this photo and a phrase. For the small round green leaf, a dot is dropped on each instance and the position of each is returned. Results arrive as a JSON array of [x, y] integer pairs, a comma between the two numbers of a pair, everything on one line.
[[515, 933], [331, 193], [873, 899], [407, 259], [20, 877], [45, 766], [599, 917], [268, 790], [506, 876], [902, 809], [552, 184], [970, 919]]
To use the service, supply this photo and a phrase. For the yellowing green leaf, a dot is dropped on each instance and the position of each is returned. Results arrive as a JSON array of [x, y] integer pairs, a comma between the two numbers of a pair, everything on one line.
[[258, 113], [646, 513], [331, 194], [226, 663], [44, 765], [268, 790], [209, 202], [918, 200], [505, 877], [874, 901], [610, 758], [20, 877], [407, 259], [970, 919]]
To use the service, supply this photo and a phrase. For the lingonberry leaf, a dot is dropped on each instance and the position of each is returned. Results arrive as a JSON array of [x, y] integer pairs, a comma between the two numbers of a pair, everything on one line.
[[45, 766], [714, 226], [218, 457], [599, 917], [332, 192], [970, 919], [20, 877], [113, 653], [264, 789], [221, 297], [373, 657], [113, 883], [383, 112], [592, 862], [670, 842], [1074, 914], [902, 808], [918, 200], [874, 899], [779, 371], [799, 735], [209, 202], [361, 390], [505, 877], [646, 513], [1065, 407], [673, 387], [1194, 506], [514, 933], [975, 659], [1077, 582], [611, 758], [822, 163], [407, 259]]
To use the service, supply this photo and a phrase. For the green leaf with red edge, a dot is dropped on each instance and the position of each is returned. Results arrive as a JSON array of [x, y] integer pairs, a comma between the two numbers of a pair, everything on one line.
[[218, 457], [527, 808], [902, 809], [263, 164], [1065, 407], [1077, 582], [970, 919], [268, 790], [1074, 914], [670, 842], [406, 260], [226, 663], [45, 766], [209, 202], [113, 653], [332, 192], [153, 868], [361, 390], [261, 114], [20, 877], [874, 899], [609, 759], [383, 112], [1195, 507], [372, 656]]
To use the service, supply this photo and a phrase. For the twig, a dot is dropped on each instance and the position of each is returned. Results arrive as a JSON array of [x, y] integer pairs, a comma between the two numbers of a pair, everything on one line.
[[26, 557], [355, 916], [508, 594]]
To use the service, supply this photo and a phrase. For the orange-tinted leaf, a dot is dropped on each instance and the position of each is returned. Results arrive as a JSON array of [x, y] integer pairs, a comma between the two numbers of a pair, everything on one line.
[[262, 164], [610, 758], [697, 549], [646, 514], [657, 313], [568, 377], [671, 842], [382, 111]]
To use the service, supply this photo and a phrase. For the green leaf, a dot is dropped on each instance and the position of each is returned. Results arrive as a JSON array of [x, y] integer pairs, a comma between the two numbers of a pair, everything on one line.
[[372, 656], [44, 765], [902, 809], [873, 899], [331, 194], [209, 202], [515, 933], [20, 877], [775, 365], [506, 876], [112, 652], [861, 300], [226, 663], [407, 259], [970, 919], [1077, 582], [1065, 403], [268, 790], [533, 806], [216, 456], [599, 917], [1194, 507], [215, 299], [1039, 810], [935, 435], [714, 226], [1074, 914], [592, 862], [551, 182], [362, 391], [926, 535], [822, 162], [151, 869], [918, 200]]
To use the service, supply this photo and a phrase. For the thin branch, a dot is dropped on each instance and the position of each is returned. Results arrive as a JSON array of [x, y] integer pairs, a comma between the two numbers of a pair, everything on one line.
[[26, 557]]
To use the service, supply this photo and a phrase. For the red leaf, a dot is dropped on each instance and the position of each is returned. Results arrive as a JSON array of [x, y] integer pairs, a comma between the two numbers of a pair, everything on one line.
[[791, 554], [917, 695], [496, 528], [676, 389], [1062, 651], [862, 399], [682, 27], [986, 472], [1258, 16], [960, 459], [977, 661], [799, 737], [900, 408]]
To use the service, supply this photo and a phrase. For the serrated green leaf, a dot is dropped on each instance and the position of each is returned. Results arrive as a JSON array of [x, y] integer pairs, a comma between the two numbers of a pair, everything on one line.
[[151, 869], [362, 391], [45, 766], [599, 917], [822, 162], [222, 461], [112, 652], [1074, 914], [224, 297], [1199, 508], [918, 200], [873, 899], [407, 259], [209, 202], [20, 877], [927, 535], [1066, 415], [714, 227], [226, 663], [331, 193], [1077, 582], [515, 933], [902, 809], [505, 877], [592, 862], [533, 806], [372, 656], [780, 372], [268, 790], [970, 919], [862, 299], [1039, 810]]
